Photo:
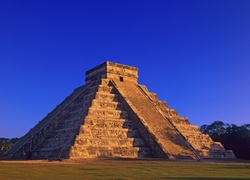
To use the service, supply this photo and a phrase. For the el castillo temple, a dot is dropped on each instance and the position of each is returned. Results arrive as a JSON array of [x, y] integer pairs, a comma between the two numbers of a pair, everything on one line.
[[114, 116]]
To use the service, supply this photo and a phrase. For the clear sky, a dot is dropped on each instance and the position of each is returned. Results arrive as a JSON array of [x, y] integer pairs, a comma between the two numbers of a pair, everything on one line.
[[195, 54]]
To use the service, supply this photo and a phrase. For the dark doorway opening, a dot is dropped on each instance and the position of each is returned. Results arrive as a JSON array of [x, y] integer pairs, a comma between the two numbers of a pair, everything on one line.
[[121, 79]]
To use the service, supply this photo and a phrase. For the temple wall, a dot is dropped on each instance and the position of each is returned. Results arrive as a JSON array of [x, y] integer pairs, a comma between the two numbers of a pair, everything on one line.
[[112, 70]]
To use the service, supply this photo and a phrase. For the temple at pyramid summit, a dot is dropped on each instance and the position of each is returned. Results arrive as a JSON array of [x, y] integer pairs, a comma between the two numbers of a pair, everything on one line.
[[114, 116]]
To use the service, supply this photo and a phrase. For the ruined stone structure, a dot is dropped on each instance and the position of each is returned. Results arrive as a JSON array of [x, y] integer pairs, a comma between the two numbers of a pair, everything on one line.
[[113, 116]]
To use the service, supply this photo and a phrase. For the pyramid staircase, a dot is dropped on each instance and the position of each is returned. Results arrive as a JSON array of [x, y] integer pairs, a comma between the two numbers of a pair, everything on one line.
[[108, 131]]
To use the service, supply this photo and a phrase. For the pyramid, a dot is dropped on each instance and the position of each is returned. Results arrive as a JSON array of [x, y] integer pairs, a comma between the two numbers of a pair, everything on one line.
[[114, 116]]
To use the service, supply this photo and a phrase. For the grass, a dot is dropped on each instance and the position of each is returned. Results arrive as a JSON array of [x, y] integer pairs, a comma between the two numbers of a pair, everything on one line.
[[123, 169]]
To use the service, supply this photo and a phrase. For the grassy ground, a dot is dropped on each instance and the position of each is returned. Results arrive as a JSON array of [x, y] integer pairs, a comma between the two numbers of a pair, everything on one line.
[[123, 169]]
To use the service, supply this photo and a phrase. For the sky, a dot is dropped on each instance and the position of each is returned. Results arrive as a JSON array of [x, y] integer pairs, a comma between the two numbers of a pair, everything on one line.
[[194, 54]]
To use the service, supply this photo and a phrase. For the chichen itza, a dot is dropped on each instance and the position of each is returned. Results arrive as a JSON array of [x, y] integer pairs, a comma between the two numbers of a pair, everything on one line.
[[114, 116]]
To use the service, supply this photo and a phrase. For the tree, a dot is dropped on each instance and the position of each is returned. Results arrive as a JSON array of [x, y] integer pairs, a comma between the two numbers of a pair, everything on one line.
[[6, 144], [215, 130], [233, 137], [237, 138]]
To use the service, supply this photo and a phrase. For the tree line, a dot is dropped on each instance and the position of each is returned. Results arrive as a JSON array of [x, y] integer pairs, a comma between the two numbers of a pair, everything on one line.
[[6, 143], [231, 136]]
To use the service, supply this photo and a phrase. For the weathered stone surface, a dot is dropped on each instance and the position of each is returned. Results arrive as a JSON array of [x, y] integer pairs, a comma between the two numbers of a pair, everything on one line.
[[113, 116]]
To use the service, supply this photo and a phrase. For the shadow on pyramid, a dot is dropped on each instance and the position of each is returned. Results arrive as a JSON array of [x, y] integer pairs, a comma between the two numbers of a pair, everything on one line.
[[113, 116]]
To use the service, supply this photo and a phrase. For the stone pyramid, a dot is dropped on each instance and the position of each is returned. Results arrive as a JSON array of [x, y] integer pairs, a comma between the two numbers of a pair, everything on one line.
[[114, 116]]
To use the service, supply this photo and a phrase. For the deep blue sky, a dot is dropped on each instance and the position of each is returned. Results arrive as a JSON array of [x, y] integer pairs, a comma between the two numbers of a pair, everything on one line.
[[195, 54]]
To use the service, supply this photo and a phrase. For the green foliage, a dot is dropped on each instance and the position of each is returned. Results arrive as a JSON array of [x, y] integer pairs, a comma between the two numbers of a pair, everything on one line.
[[215, 130], [6, 144], [233, 137]]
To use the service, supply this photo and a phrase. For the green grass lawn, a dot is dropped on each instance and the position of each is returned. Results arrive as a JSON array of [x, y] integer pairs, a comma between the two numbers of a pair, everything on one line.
[[124, 169]]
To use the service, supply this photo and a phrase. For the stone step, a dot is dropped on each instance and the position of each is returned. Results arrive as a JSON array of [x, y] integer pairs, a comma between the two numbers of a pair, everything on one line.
[[60, 137], [93, 120], [105, 96], [110, 123], [110, 113], [97, 104], [218, 153], [66, 130], [196, 136], [115, 152], [88, 97], [76, 111], [105, 88], [110, 142], [105, 152], [74, 119], [114, 132], [53, 148], [188, 129], [50, 154], [202, 143], [104, 81], [69, 125], [195, 141], [120, 136], [102, 118], [59, 141]]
